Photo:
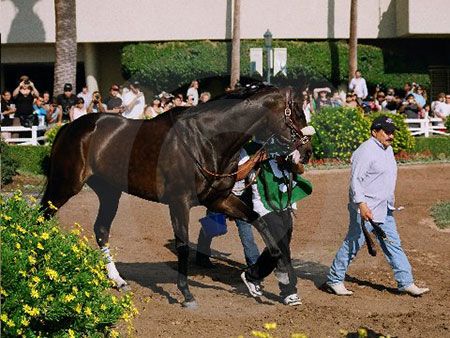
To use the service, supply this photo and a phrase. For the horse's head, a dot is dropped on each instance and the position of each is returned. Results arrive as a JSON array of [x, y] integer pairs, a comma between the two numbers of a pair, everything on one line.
[[286, 122]]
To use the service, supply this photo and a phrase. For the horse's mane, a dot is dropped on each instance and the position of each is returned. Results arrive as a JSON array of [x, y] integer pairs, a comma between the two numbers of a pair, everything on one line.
[[244, 92]]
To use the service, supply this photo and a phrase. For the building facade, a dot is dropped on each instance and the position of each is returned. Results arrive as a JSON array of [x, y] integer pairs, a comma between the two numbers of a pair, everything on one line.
[[103, 27]]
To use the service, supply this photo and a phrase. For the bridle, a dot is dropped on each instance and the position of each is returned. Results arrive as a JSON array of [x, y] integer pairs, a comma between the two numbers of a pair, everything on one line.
[[297, 137]]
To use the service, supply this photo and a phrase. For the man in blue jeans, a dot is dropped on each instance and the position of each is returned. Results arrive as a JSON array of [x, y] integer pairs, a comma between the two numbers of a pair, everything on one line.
[[372, 186]]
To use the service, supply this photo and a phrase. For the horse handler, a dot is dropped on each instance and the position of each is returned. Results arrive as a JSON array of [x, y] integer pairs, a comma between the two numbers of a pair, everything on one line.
[[372, 186], [274, 193]]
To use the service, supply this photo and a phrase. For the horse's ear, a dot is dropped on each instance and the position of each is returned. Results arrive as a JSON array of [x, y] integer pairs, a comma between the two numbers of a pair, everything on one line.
[[308, 131]]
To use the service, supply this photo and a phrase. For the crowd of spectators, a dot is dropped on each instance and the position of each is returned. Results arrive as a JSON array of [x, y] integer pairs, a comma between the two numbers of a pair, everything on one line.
[[413, 102], [27, 106]]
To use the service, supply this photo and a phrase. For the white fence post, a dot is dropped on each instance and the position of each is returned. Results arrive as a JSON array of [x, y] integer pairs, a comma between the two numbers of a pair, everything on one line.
[[34, 141]]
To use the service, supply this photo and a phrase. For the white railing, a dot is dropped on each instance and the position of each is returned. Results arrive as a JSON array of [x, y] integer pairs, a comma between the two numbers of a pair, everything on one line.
[[427, 126], [33, 140]]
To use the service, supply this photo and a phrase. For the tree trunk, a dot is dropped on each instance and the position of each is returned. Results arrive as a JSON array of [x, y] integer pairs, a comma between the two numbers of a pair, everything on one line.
[[65, 45], [353, 40], [236, 45]]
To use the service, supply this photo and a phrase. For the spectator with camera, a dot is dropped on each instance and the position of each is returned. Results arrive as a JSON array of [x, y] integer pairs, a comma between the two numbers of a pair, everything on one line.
[[24, 96], [410, 108], [113, 101], [133, 102], [65, 102], [96, 105]]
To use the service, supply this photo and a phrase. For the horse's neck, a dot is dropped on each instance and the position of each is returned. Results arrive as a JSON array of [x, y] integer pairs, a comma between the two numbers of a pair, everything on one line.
[[228, 131]]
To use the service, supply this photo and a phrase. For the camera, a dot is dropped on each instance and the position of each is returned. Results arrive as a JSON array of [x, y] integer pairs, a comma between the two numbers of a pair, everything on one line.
[[97, 97], [27, 82]]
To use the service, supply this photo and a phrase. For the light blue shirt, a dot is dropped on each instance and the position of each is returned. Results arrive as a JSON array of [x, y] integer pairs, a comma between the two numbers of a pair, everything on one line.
[[373, 178]]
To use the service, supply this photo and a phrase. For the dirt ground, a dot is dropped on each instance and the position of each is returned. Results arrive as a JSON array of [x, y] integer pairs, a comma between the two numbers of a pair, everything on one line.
[[143, 242]]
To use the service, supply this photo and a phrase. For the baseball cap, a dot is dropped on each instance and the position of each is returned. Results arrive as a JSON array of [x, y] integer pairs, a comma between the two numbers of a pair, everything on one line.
[[67, 87], [114, 87], [385, 123]]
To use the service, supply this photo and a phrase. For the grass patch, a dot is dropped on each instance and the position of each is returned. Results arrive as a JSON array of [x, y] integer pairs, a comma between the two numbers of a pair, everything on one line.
[[437, 146], [441, 214]]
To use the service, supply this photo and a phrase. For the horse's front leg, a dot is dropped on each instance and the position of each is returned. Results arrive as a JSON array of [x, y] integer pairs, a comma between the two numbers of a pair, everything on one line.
[[234, 207], [179, 213]]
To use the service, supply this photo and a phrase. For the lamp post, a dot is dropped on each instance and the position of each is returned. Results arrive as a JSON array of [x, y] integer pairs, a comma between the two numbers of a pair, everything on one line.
[[268, 45]]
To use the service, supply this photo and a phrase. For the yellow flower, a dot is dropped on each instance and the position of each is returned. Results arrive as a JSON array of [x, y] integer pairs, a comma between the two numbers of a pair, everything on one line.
[[36, 279], [17, 198], [114, 334], [45, 236], [25, 322], [31, 198], [75, 289], [46, 257], [270, 326], [50, 298], [78, 225], [55, 229], [32, 260], [75, 249], [85, 239], [362, 333], [4, 318], [68, 298], [126, 317], [88, 311], [18, 245], [39, 246], [88, 295], [103, 307], [10, 323], [7, 218], [22, 230], [34, 293], [78, 308], [71, 333], [76, 232], [19, 331], [3, 292], [114, 299], [52, 274], [40, 219], [50, 204]]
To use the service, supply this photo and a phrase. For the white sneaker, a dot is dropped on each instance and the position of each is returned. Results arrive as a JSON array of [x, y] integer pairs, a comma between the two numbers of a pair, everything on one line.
[[253, 288], [340, 289], [415, 291], [292, 300]]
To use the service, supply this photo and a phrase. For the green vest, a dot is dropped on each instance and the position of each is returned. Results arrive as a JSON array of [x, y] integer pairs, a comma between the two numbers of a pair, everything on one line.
[[273, 189]]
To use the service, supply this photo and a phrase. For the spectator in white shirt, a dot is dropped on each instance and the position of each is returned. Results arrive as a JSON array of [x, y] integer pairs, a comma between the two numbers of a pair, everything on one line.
[[87, 97], [134, 102], [443, 109], [359, 86], [193, 90]]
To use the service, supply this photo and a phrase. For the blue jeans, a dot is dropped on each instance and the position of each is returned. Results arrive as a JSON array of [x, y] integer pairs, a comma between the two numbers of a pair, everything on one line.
[[355, 239], [251, 251]]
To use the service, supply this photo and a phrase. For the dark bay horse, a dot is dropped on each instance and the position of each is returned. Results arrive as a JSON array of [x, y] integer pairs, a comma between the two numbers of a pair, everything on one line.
[[170, 159]]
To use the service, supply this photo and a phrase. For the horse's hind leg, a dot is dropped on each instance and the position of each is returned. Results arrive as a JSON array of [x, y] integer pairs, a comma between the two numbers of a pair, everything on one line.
[[179, 213], [108, 197]]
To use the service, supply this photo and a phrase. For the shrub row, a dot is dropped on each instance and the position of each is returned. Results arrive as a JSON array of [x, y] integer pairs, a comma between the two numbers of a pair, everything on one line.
[[54, 284], [166, 66], [8, 164], [437, 146], [339, 131]]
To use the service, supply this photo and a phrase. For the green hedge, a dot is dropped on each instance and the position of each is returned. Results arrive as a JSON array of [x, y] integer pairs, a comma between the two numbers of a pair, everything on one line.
[[9, 165], [438, 146], [339, 131], [165, 66], [31, 159]]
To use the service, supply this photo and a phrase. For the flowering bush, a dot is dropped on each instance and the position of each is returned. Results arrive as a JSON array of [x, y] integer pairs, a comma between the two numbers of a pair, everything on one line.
[[53, 283], [339, 131]]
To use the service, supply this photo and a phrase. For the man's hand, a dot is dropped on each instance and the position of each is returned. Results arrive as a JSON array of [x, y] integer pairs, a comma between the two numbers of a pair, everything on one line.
[[365, 211]]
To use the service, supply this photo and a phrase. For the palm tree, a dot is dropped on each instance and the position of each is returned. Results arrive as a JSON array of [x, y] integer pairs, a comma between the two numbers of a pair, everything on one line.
[[65, 44], [353, 40], [236, 45]]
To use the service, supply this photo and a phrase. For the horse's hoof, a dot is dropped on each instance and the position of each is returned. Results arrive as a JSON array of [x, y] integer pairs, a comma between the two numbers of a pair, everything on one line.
[[192, 305], [125, 288]]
